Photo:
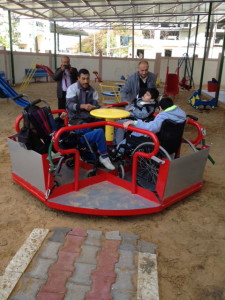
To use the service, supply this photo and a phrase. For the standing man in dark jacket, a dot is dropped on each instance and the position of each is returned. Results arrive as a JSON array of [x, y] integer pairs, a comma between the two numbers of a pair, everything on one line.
[[138, 82], [65, 76]]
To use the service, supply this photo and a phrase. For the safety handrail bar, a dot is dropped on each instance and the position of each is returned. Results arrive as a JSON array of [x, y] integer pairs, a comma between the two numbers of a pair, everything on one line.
[[201, 132], [99, 124]]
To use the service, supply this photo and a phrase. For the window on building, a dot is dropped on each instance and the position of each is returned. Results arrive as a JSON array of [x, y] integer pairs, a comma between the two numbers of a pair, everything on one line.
[[148, 34], [168, 52]]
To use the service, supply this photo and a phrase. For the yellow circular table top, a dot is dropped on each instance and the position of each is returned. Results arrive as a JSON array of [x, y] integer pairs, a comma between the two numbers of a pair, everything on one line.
[[110, 113]]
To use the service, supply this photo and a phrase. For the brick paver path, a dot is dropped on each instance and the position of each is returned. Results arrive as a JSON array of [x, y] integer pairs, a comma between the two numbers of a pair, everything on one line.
[[79, 264]]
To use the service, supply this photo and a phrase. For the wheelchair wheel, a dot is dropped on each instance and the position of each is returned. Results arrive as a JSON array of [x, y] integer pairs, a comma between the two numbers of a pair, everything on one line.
[[91, 173], [121, 172], [147, 169], [56, 183], [70, 163]]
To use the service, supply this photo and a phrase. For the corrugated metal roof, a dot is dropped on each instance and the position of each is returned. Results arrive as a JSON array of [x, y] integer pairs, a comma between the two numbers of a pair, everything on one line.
[[116, 13]]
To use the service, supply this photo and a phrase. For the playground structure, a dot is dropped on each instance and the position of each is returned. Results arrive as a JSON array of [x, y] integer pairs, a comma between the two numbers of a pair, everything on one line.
[[172, 82], [97, 77], [186, 82], [110, 91], [47, 69], [172, 85], [8, 92], [35, 71], [195, 99], [28, 77], [196, 102], [106, 193]]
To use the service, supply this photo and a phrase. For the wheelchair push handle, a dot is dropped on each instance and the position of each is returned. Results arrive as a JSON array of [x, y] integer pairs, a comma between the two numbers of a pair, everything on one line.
[[19, 96], [192, 117], [39, 101], [35, 102]]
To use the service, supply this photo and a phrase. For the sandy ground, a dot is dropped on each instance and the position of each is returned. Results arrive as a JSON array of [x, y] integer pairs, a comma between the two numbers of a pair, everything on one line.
[[190, 235]]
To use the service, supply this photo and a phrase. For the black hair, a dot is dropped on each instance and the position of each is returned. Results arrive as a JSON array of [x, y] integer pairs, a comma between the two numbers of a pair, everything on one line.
[[165, 103], [154, 93], [83, 71]]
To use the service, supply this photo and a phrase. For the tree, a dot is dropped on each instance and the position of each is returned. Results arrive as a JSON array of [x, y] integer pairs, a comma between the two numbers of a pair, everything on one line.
[[4, 29], [100, 39]]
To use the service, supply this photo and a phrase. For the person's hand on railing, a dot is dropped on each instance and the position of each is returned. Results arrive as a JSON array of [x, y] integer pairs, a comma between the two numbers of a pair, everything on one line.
[[87, 107], [128, 123]]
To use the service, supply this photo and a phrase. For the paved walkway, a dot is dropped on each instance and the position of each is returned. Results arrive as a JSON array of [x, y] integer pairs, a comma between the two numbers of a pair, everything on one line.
[[79, 264]]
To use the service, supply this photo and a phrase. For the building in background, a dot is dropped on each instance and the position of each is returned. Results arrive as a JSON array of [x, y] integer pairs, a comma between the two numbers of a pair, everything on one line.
[[33, 35]]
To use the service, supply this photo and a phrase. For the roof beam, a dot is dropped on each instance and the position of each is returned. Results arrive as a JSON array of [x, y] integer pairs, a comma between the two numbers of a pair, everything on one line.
[[144, 3], [74, 10], [24, 7], [54, 10], [110, 12], [93, 9]]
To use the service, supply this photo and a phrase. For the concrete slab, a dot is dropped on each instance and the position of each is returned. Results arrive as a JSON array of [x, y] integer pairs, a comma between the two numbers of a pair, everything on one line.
[[20, 261]]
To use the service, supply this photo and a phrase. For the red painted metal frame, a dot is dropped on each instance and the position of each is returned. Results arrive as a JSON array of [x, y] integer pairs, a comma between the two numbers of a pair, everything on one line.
[[108, 176], [103, 123], [200, 132]]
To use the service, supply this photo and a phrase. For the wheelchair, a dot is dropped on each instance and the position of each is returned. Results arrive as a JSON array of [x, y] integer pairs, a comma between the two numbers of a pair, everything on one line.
[[170, 139], [37, 133], [88, 152]]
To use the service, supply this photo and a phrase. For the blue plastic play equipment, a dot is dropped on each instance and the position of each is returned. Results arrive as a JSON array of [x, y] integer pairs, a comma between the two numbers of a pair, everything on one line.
[[197, 103], [8, 92]]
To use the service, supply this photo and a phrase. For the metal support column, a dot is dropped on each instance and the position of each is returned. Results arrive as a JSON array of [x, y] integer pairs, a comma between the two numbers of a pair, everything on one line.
[[11, 47], [186, 58], [210, 39], [220, 71], [80, 43], [58, 43], [193, 58], [55, 58], [133, 40], [206, 41], [189, 35]]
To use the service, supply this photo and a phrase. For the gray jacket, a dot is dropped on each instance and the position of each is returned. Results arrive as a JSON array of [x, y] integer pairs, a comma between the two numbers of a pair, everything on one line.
[[140, 109], [131, 88], [75, 96], [173, 113]]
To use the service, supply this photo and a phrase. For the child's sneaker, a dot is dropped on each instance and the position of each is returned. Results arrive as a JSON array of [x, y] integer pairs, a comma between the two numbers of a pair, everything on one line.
[[106, 162]]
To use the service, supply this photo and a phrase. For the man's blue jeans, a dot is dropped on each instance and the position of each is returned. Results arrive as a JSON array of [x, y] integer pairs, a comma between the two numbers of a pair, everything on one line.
[[94, 136]]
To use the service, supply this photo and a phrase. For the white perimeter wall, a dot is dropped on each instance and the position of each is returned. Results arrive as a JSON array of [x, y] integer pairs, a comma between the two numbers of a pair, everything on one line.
[[210, 71], [108, 68]]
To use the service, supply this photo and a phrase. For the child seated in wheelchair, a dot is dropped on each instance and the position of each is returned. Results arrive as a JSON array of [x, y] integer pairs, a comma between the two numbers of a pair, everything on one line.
[[86, 138], [167, 111], [141, 108]]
